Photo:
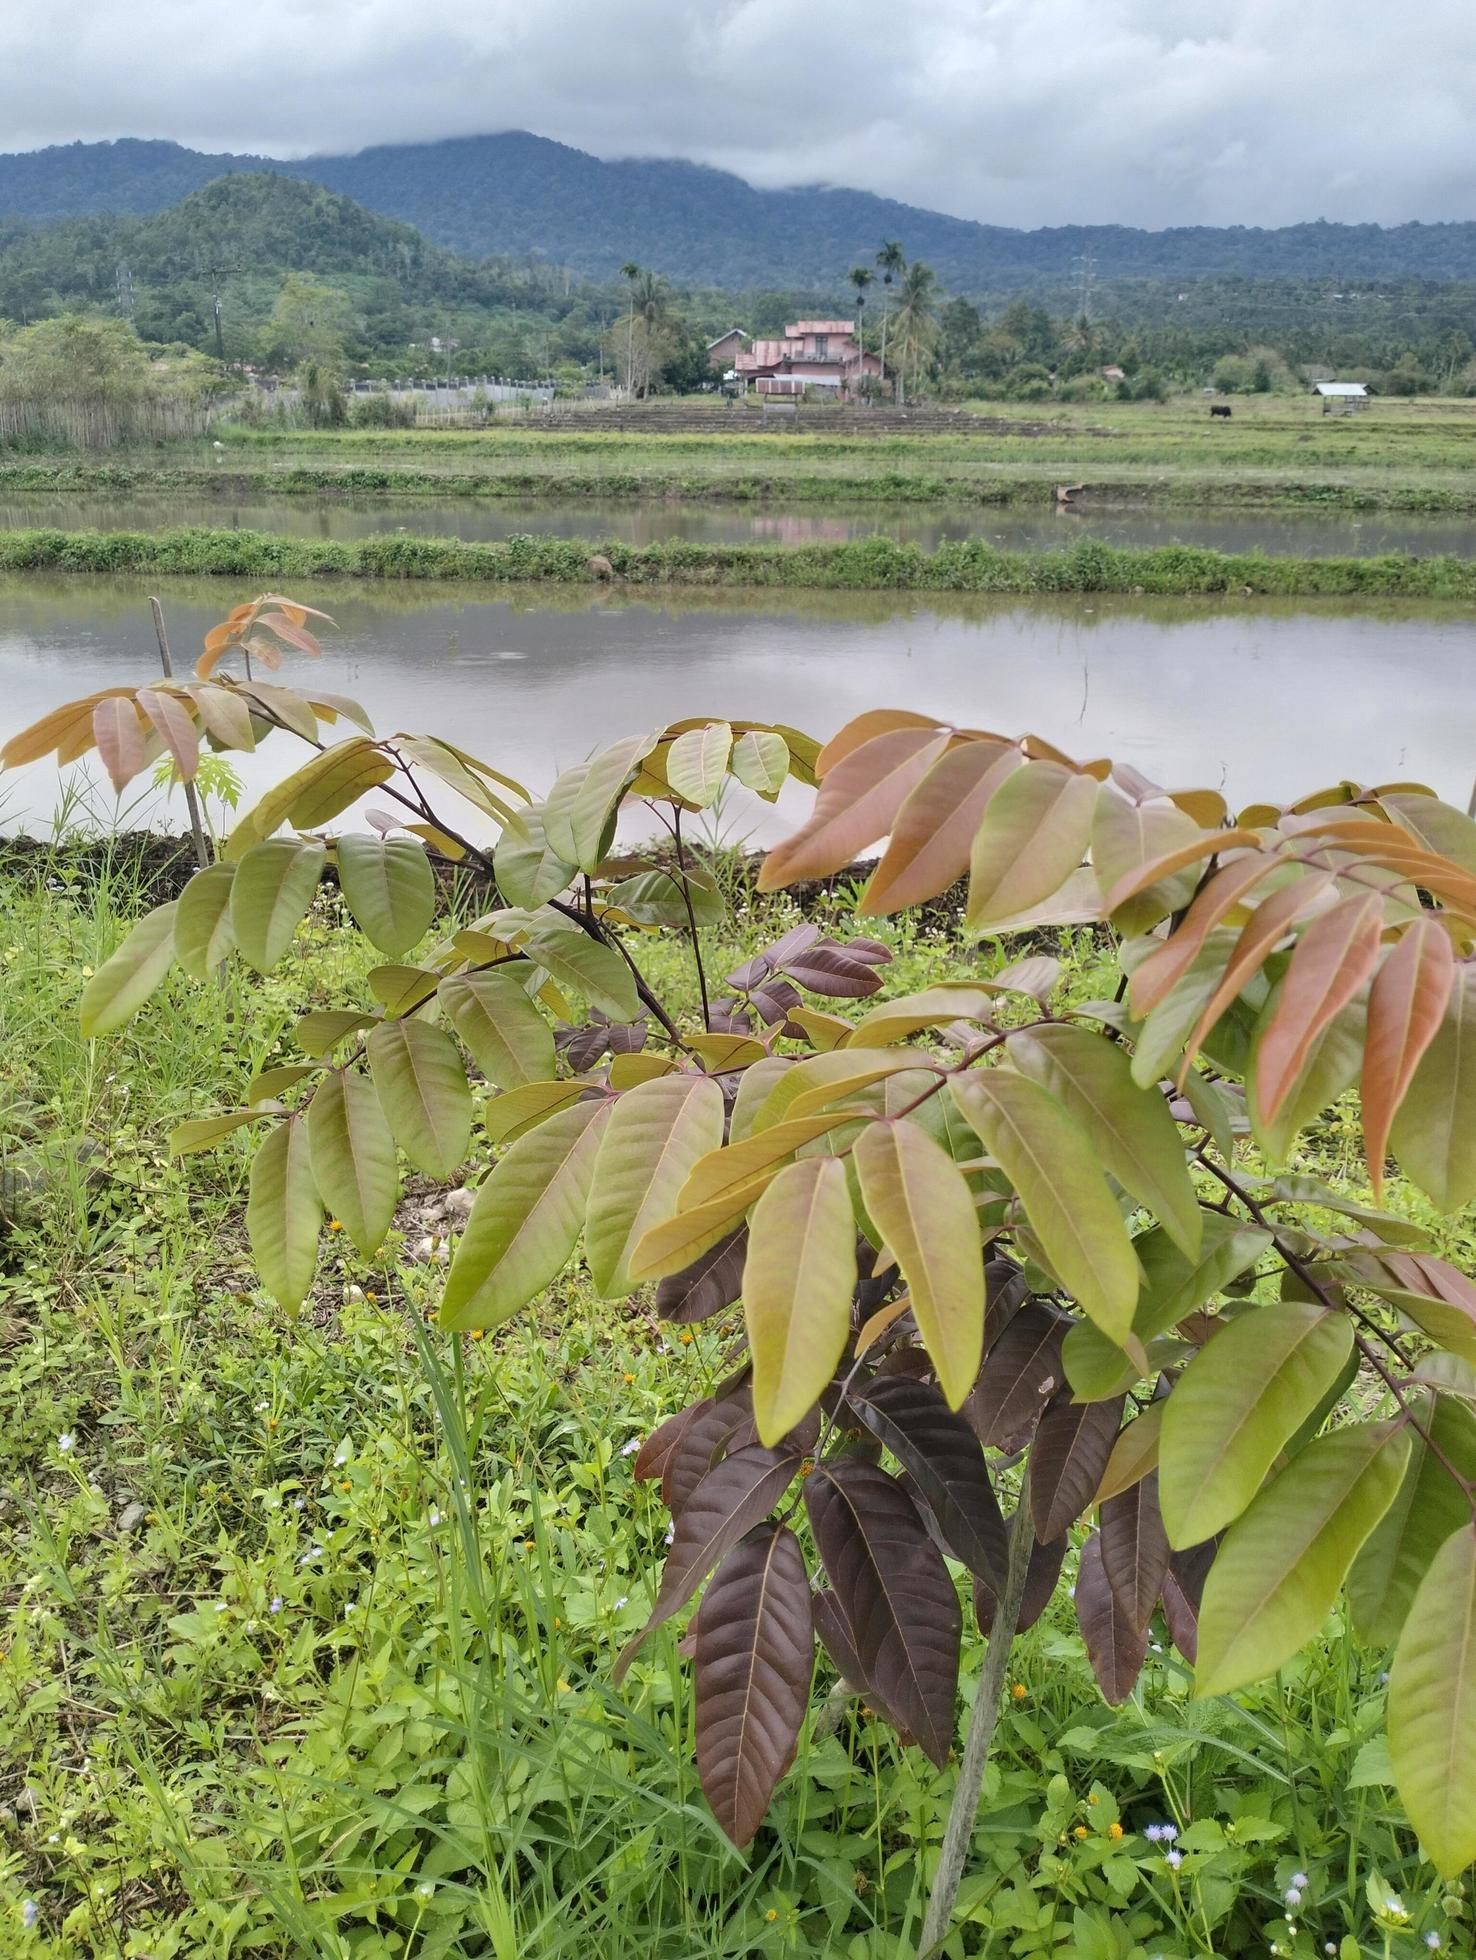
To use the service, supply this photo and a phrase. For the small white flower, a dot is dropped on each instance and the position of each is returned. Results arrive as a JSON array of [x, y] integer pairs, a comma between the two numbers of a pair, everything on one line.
[[433, 1518], [340, 1459], [312, 1552], [1395, 1905], [1300, 1880], [671, 1534], [1433, 1941], [425, 1890], [623, 1601], [1330, 1946], [260, 1408], [1071, 1592], [1169, 1832], [220, 1606], [1174, 1858], [30, 1913], [1292, 1896], [1384, 1678], [630, 1448], [65, 1441], [352, 1607], [1157, 1646], [1153, 1833], [299, 1503], [276, 1605]]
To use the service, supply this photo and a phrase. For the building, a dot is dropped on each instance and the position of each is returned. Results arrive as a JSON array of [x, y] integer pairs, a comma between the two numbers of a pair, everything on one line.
[[811, 354], [1341, 397], [724, 351]]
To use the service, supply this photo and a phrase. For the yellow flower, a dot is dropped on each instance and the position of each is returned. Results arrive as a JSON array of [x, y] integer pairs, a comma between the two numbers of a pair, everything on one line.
[[1080, 1831], [1019, 1691], [335, 1224], [629, 1379], [477, 1333], [686, 1337], [345, 1485], [1094, 1799], [771, 1915], [1114, 1830]]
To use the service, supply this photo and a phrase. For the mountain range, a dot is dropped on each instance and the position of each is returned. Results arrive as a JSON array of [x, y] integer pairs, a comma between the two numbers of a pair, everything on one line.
[[521, 194]]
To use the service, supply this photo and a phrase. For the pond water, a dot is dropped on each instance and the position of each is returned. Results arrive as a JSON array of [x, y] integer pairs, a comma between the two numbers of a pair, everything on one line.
[[1022, 527], [1265, 699]]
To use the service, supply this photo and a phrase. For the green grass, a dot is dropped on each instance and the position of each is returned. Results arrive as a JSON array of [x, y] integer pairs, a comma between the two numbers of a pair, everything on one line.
[[343, 1688], [863, 564], [1278, 451]]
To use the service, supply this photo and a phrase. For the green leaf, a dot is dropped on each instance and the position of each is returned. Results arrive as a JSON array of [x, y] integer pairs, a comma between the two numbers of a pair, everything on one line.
[[1173, 1287], [529, 871], [1126, 834], [323, 788], [1159, 1040], [283, 1214], [203, 934], [587, 967], [401, 989], [526, 1219], [798, 1279], [1049, 1160], [1432, 1706], [654, 898], [510, 1040], [921, 1204], [760, 761], [388, 885], [1434, 1133], [1429, 1507], [1277, 1573], [325, 1027], [697, 761], [202, 1131], [353, 1157], [273, 888], [124, 982], [1138, 1141], [422, 1086], [582, 804], [517, 1111], [1235, 1406], [1034, 833], [656, 1133]]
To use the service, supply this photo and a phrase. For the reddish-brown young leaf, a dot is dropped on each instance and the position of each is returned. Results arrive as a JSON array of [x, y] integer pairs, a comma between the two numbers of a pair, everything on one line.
[[1072, 1445], [1116, 1649], [1135, 1550], [934, 829], [942, 1453], [731, 1499], [709, 1285], [118, 732], [865, 728], [856, 804], [838, 972], [1041, 1574], [1334, 957], [895, 1592], [655, 1453], [837, 1639], [1405, 1006], [1022, 1370], [755, 1655], [176, 726], [1267, 926], [706, 1438], [1155, 979]]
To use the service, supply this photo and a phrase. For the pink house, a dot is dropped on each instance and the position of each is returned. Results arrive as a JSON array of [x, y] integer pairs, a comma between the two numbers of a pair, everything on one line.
[[812, 354]]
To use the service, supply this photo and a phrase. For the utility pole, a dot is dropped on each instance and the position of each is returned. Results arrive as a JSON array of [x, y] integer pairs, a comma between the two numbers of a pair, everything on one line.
[[1087, 260], [125, 290], [217, 273]]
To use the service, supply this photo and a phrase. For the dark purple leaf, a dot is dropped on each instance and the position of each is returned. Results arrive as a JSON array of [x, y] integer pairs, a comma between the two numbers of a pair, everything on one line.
[[1067, 1459], [942, 1453], [727, 1017], [758, 969], [837, 1639], [655, 1452], [755, 1656], [701, 1443], [628, 1037], [731, 1499], [1041, 1575], [1183, 1588], [1116, 1649], [1135, 1550], [1021, 1372], [836, 972], [709, 1285], [895, 1592], [775, 1000]]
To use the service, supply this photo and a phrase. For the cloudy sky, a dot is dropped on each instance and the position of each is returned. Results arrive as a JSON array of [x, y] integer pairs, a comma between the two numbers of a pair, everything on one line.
[[1021, 112]]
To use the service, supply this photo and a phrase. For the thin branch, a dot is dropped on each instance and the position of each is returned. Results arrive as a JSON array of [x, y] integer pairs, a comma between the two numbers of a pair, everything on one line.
[[676, 831]]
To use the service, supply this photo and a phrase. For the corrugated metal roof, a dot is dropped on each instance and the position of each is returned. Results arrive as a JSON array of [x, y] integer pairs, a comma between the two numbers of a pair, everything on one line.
[[821, 326], [1340, 388]]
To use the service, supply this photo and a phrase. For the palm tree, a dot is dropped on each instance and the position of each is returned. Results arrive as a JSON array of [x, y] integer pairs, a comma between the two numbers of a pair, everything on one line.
[[891, 263], [917, 319], [860, 277], [632, 272]]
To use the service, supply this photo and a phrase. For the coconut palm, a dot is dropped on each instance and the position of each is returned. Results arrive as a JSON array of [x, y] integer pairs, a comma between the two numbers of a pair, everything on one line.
[[916, 320], [631, 272], [892, 265]]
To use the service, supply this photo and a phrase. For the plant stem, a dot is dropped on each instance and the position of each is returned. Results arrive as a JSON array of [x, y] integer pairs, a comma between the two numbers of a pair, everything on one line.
[[681, 857], [964, 1810]]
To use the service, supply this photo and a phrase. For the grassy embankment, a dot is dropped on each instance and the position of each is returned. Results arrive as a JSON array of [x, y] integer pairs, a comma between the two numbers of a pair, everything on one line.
[[307, 1625], [1276, 452], [864, 564]]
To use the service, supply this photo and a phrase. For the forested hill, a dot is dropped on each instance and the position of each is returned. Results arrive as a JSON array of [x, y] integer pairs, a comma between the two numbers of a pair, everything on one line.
[[516, 193]]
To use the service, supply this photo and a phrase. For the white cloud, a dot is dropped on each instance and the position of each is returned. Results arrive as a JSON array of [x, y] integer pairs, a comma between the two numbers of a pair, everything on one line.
[[1014, 111]]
